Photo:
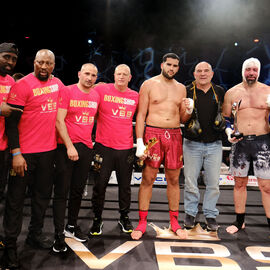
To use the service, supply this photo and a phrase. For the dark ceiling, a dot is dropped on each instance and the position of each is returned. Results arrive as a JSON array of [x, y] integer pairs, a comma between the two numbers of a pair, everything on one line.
[[199, 26], [135, 23]]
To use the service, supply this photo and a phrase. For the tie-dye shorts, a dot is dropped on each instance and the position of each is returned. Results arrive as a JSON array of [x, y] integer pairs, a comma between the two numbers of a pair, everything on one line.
[[254, 149]]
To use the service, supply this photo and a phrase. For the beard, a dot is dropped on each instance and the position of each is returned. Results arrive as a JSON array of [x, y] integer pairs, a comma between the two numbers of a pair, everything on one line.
[[43, 77], [5, 71], [251, 81], [166, 75]]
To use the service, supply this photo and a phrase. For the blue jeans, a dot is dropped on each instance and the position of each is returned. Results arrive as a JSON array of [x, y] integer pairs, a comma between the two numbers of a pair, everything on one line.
[[196, 155]]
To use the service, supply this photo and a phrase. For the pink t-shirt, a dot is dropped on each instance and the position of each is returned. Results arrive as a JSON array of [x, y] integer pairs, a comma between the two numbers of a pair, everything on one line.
[[115, 113], [5, 85], [37, 125], [81, 109]]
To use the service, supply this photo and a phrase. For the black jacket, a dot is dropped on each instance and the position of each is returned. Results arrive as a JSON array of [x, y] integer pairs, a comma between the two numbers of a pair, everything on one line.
[[207, 109]]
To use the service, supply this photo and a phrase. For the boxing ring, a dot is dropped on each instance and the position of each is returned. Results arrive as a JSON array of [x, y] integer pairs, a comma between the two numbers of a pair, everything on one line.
[[225, 179], [159, 249]]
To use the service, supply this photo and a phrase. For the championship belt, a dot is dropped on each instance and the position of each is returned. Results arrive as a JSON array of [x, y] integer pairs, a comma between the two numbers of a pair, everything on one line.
[[12, 172], [151, 142], [97, 162]]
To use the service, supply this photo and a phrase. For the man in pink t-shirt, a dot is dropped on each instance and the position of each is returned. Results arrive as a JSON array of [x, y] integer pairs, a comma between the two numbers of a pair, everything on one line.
[[78, 104], [8, 60], [32, 139], [113, 147]]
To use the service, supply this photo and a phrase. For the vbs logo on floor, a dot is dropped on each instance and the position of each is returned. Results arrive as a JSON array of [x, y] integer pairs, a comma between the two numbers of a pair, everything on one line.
[[179, 255]]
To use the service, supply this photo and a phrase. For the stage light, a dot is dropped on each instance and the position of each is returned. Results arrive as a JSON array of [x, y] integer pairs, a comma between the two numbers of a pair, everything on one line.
[[256, 40], [235, 44], [90, 41], [26, 37]]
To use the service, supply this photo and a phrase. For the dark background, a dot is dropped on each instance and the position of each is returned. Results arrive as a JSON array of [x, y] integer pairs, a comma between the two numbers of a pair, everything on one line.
[[139, 33]]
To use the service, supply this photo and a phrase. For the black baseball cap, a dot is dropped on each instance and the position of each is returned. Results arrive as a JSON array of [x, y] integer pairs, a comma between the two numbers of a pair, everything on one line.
[[9, 47]]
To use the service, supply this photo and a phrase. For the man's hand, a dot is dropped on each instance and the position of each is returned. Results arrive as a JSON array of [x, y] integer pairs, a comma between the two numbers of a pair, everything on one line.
[[72, 153], [189, 104], [99, 83], [6, 110], [19, 164], [231, 139]]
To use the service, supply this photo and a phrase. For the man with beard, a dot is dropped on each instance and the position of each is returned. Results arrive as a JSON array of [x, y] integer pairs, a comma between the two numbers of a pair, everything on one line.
[[202, 146], [162, 105], [32, 139], [8, 59], [253, 98]]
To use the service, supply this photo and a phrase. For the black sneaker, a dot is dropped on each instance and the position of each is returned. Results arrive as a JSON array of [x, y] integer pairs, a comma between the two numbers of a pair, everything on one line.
[[59, 244], [125, 224], [211, 224], [75, 233], [96, 228], [9, 259], [38, 241], [189, 221]]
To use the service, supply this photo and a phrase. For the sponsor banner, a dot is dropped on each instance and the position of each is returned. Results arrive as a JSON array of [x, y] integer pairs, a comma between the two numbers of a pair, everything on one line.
[[224, 180], [160, 179], [228, 180], [137, 179]]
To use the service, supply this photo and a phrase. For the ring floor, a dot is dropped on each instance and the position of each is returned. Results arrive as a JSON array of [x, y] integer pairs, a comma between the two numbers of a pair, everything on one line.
[[248, 249]]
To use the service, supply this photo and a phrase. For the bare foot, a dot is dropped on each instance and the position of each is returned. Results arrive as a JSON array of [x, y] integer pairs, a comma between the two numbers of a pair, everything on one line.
[[182, 234], [136, 235], [233, 229]]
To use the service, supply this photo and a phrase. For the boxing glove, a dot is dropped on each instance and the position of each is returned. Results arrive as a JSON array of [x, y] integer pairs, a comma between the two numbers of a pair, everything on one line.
[[219, 123]]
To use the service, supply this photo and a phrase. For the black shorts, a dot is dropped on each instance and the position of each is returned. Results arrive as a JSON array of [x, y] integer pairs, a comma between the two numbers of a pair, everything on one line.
[[254, 149]]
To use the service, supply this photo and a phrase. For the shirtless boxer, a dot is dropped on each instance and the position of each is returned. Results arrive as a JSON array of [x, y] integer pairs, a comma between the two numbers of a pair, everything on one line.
[[163, 105], [252, 120]]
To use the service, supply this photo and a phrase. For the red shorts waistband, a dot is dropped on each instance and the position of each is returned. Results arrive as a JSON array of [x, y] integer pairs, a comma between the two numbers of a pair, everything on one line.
[[159, 130]]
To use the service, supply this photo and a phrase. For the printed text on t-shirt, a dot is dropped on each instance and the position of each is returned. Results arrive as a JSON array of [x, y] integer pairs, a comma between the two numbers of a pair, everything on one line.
[[45, 90]]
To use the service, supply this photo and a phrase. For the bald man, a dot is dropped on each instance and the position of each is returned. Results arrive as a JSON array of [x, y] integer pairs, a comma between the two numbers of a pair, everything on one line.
[[253, 99], [32, 139], [114, 144], [78, 105], [202, 146]]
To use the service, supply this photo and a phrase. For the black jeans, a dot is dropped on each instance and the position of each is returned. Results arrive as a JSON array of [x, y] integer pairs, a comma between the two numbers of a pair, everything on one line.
[[122, 162], [70, 178], [39, 174]]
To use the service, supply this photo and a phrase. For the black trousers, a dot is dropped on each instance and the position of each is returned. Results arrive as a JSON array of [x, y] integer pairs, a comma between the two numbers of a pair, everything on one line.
[[70, 179], [4, 168], [122, 162], [39, 174]]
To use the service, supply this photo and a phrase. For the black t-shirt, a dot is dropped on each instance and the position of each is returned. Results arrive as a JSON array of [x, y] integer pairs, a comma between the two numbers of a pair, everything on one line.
[[207, 107]]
